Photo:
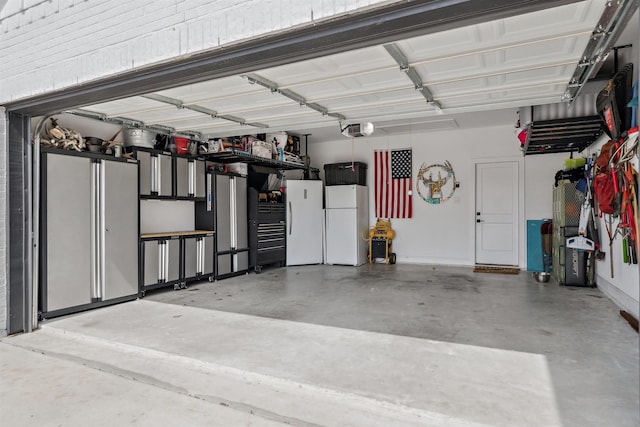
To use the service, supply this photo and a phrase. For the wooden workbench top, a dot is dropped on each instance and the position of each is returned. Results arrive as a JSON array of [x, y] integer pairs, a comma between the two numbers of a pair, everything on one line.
[[175, 234]]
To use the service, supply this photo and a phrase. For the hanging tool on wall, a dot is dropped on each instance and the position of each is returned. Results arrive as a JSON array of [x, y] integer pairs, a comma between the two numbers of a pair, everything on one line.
[[615, 187], [581, 241]]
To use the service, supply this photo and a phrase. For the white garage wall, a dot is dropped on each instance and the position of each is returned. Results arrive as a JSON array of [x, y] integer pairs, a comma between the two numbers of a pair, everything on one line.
[[540, 171], [440, 234], [102, 38]]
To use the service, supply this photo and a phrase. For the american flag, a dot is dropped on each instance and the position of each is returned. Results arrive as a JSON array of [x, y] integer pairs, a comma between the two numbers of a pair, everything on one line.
[[393, 183]]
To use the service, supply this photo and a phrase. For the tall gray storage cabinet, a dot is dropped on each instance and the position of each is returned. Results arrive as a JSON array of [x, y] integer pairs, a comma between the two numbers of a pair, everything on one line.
[[89, 231], [226, 212]]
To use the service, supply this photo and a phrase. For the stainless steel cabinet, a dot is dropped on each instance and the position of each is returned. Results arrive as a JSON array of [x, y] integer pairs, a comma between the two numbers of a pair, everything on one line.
[[198, 257], [190, 177], [120, 228], [156, 173], [176, 260], [166, 175], [161, 262], [89, 231], [226, 212], [183, 177], [198, 178]]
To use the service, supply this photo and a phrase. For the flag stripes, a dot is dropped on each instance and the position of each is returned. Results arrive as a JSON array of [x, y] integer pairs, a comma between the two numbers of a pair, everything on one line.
[[393, 183]]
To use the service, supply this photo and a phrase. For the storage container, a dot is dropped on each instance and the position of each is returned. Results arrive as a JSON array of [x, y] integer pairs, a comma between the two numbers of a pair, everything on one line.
[[345, 173], [139, 138], [182, 144], [576, 163], [261, 149]]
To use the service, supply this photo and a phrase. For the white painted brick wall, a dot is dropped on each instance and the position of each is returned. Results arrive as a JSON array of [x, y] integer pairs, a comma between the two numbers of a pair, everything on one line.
[[60, 43], [3, 224]]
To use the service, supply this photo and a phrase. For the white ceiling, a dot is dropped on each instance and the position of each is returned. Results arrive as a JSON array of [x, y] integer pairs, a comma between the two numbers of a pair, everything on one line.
[[507, 63]]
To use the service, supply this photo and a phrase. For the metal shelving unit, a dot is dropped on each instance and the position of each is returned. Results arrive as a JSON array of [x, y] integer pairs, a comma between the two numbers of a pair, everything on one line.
[[237, 156], [562, 135]]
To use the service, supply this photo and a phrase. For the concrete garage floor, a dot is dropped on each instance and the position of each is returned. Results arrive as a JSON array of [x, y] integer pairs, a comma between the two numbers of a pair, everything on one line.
[[374, 345]]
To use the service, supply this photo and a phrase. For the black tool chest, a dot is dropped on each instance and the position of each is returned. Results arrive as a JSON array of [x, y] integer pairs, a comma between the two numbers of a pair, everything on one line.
[[267, 231]]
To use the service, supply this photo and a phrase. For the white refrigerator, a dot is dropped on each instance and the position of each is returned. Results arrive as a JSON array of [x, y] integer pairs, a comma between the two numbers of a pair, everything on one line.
[[304, 222], [347, 222]]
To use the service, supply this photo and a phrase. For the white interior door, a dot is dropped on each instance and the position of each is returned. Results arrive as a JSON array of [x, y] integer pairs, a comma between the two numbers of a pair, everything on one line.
[[497, 213]]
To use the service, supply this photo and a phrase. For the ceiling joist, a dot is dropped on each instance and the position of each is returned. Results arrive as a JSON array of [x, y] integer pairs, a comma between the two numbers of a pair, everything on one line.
[[273, 87], [399, 56], [203, 110]]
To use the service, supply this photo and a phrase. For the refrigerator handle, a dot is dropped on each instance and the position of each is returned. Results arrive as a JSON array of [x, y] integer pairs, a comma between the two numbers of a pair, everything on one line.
[[290, 217]]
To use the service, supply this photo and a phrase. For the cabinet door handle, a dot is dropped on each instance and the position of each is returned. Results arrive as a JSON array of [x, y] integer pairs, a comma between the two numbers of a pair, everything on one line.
[[290, 218], [154, 174], [192, 179], [160, 261]]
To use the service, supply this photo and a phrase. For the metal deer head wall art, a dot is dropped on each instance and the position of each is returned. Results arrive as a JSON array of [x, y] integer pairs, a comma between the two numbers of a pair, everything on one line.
[[436, 183]]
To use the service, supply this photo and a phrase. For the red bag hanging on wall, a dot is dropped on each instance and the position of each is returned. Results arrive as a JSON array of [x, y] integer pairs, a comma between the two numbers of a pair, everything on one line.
[[604, 192]]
